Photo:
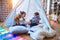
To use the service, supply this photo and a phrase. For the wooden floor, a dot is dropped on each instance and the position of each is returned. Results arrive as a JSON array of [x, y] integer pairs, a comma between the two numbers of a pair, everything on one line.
[[55, 27]]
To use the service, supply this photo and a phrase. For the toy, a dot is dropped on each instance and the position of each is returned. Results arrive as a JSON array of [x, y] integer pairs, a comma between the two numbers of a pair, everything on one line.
[[54, 18]]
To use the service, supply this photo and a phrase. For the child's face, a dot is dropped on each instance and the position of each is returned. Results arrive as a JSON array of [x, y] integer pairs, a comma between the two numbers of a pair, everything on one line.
[[35, 15]]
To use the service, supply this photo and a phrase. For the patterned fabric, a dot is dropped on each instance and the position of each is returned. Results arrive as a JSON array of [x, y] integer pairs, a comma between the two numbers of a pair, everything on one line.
[[3, 31], [11, 37]]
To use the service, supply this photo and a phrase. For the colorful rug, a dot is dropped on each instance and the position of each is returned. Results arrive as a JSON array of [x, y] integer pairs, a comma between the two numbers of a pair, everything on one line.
[[11, 37], [3, 31], [6, 35]]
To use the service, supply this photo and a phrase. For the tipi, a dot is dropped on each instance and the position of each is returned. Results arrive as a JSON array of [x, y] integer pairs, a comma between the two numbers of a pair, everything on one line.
[[29, 6]]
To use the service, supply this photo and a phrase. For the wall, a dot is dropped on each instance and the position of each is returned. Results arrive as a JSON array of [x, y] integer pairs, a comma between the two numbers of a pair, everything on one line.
[[6, 6], [0, 9]]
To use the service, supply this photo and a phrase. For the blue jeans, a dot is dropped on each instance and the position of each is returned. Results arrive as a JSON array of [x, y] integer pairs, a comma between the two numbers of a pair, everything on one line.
[[19, 25], [33, 24]]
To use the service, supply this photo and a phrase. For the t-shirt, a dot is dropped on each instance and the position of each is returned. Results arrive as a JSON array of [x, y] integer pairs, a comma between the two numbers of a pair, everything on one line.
[[22, 21]]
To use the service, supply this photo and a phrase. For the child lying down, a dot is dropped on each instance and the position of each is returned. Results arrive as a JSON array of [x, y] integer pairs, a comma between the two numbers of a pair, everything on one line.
[[36, 32]]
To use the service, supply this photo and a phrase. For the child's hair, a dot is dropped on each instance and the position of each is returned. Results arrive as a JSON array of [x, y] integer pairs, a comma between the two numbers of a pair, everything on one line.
[[36, 13], [19, 15], [22, 12], [16, 18]]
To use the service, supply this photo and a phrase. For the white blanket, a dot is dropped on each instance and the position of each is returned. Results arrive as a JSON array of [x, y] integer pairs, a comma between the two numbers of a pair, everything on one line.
[[41, 31]]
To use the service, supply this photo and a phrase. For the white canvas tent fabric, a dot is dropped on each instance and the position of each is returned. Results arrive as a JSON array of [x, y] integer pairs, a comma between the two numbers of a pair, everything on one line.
[[29, 6]]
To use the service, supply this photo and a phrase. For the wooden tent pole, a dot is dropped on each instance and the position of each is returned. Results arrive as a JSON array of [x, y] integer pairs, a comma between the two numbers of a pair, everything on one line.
[[48, 8]]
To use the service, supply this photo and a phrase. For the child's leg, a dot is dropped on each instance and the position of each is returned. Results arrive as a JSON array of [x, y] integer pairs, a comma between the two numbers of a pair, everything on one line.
[[19, 25], [16, 25]]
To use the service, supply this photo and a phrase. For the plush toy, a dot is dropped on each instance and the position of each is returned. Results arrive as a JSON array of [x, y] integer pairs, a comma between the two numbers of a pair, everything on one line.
[[54, 18]]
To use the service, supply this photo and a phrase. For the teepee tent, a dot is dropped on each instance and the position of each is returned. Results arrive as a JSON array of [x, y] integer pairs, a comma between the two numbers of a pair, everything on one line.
[[29, 6]]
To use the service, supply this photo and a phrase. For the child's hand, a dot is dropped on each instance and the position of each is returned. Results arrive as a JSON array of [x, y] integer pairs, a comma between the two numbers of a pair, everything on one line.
[[28, 22]]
